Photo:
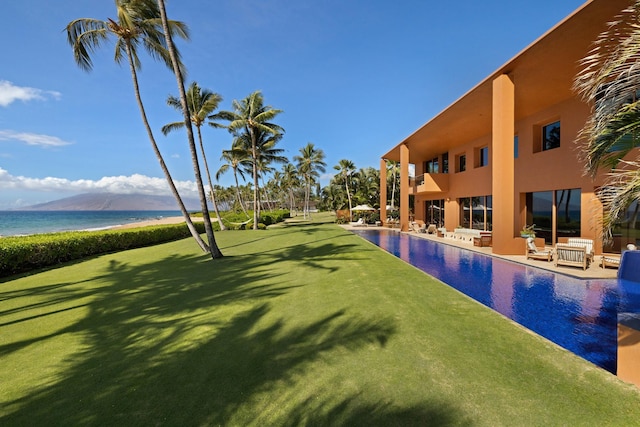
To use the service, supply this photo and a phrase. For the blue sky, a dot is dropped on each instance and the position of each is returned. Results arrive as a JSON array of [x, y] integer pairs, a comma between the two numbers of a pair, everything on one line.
[[353, 77]]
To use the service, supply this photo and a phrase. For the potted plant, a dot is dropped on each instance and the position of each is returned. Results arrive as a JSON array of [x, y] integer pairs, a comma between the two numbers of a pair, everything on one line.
[[528, 231]]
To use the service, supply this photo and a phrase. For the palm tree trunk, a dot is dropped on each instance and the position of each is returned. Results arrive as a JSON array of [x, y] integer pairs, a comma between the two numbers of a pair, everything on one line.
[[256, 188], [346, 186], [215, 251], [240, 201], [163, 165], [213, 191]]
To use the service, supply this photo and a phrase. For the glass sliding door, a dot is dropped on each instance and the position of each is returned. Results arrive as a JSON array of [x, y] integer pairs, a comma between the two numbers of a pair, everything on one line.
[[568, 213]]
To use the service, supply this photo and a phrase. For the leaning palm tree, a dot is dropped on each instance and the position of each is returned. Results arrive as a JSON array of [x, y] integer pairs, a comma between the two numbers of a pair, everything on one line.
[[202, 103], [138, 23], [175, 60], [345, 168], [309, 163], [609, 81], [251, 117]]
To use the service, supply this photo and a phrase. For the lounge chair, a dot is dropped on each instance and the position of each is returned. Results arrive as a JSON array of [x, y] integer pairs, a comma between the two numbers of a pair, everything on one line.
[[432, 229], [587, 243], [359, 223], [534, 253], [571, 255], [610, 261], [418, 226]]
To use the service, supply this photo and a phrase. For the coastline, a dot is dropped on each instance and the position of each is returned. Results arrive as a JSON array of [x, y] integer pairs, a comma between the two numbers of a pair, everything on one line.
[[159, 221]]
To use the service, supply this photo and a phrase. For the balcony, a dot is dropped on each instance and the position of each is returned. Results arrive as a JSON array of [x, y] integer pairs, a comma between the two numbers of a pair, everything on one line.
[[429, 183]]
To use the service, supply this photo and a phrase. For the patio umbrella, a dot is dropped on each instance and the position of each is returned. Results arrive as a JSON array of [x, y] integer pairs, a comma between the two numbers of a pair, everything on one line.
[[363, 208]]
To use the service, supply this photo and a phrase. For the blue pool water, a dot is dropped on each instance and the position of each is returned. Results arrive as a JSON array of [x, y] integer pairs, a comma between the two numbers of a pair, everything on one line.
[[579, 315]]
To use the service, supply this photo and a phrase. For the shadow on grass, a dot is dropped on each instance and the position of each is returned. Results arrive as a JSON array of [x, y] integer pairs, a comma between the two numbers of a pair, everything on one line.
[[184, 341]]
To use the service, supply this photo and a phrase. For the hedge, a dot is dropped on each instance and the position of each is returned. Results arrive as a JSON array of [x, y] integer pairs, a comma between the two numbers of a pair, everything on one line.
[[25, 253]]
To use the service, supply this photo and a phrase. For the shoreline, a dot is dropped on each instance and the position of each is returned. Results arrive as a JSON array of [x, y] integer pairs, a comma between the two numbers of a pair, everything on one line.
[[159, 221]]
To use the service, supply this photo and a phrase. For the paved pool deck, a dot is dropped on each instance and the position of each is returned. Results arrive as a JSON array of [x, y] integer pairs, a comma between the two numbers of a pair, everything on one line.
[[594, 271]]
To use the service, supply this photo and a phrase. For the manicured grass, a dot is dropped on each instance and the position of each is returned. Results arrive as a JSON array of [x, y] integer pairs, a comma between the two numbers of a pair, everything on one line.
[[304, 324]]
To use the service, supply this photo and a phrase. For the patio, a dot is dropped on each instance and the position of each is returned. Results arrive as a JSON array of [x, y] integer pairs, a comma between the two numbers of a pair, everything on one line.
[[594, 271]]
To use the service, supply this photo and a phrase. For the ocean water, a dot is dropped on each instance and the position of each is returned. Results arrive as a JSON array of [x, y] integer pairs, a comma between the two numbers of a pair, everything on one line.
[[16, 223]]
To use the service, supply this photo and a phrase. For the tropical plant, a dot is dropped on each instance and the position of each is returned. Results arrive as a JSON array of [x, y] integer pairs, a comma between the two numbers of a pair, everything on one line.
[[175, 60], [367, 182], [138, 22], [345, 168], [251, 118], [393, 170], [609, 80], [310, 163], [202, 103], [291, 182], [239, 162]]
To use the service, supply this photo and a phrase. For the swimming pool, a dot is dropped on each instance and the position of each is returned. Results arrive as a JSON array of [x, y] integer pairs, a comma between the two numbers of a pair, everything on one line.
[[579, 315]]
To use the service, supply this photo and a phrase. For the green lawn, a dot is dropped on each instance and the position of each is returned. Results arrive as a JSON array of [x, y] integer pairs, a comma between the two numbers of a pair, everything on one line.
[[304, 324]]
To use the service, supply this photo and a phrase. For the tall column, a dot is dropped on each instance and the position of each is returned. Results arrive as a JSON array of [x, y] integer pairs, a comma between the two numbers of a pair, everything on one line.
[[404, 187], [502, 166], [383, 191]]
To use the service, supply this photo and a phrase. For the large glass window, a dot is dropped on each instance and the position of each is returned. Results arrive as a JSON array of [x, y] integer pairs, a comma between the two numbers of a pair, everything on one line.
[[432, 166], [626, 231], [551, 136], [540, 213], [445, 163], [434, 212], [568, 212], [475, 212]]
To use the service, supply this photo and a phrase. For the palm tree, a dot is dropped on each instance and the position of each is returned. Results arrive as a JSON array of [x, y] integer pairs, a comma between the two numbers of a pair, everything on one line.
[[609, 81], [394, 168], [310, 163], [202, 103], [175, 60], [138, 22], [238, 161], [346, 168], [291, 181], [367, 182], [252, 118]]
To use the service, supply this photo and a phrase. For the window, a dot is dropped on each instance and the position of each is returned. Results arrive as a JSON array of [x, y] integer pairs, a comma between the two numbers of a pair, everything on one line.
[[551, 136], [515, 147], [566, 221], [461, 163], [431, 166], [483, 156], [445, 163], [475, 212], [434, 212]]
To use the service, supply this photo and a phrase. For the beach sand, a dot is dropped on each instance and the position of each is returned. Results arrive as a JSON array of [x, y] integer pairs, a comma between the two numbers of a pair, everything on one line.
[[161, 221]]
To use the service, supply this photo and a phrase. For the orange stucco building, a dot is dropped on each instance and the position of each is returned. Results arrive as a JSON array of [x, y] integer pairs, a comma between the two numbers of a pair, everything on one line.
[[505, 154]]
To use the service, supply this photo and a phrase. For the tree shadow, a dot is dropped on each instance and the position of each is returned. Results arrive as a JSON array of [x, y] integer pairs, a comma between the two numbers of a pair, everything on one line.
[[185, 341]]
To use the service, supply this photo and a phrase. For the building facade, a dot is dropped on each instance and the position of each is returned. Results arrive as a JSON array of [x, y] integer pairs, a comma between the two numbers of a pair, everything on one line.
[[505, 155]]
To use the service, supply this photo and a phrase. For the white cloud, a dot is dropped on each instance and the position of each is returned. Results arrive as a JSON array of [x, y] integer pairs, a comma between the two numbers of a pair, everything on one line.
[[33, 138], [10, 93], [133, 184]]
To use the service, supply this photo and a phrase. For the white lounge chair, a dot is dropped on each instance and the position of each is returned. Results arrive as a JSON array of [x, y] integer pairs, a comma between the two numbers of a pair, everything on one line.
[[534, 253], [359, 223]]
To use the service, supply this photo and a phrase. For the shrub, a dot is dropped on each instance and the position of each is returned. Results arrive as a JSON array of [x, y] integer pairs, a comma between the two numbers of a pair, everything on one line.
[[25, 253]]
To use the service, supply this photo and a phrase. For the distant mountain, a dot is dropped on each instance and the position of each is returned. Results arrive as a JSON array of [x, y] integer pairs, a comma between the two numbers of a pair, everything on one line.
[[115, 202]]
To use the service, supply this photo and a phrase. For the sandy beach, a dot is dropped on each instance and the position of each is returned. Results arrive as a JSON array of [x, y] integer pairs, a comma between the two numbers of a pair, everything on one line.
[[161, 221]]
